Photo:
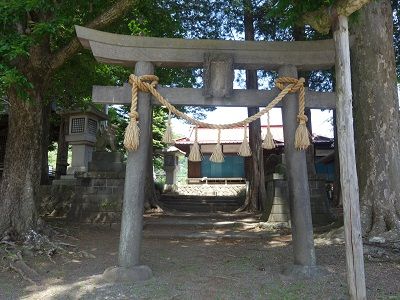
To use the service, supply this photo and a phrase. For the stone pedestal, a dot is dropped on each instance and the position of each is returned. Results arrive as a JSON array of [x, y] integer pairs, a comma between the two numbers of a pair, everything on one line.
[[103, 161], [276, 187], [170, 175], [81, 156], [170, 167], [92, 196], [277, 192]]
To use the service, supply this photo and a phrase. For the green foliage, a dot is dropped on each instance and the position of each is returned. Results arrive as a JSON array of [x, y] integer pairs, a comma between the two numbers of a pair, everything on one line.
[[42, 24], [293, 10], [10, 77]]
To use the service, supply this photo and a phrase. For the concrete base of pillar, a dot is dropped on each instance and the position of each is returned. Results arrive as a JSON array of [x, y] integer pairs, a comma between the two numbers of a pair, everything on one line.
[[127, 275], [303, 272]]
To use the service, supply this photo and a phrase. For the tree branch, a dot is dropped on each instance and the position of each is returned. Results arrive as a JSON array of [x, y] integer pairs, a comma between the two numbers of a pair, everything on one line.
[[321, 20], [103, 20]]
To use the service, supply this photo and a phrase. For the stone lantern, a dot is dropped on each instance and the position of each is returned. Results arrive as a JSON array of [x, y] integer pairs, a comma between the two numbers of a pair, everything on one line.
[[171, 165], [81, 136]]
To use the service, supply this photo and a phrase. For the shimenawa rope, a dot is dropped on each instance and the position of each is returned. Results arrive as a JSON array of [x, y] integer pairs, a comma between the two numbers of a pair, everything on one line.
[[147, 83]]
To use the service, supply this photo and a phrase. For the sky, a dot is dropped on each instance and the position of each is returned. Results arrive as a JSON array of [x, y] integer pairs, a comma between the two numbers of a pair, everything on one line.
[[320, 120]]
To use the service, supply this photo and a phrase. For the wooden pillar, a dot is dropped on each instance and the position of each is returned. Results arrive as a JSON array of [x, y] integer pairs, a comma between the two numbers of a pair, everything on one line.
[[129, 268], [297, 178], [347, 159]]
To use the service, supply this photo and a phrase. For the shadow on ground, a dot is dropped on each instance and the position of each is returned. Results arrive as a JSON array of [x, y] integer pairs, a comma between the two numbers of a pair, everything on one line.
[[208, 267]]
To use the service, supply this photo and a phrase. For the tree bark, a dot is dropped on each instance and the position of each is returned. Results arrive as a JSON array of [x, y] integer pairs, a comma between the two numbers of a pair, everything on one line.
[[150, 200], [376, 120], [62, 149], [256, 197], [25, 142], [321, 20], [44, 178], [22, 165]]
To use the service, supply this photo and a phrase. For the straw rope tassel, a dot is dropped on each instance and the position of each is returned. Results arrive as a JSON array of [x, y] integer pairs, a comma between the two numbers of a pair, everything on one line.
[[301, 140], [195, 154], [244, 149], [302, 137], [168, 136], [147, 83], [131, 138], [268, 142], [217, 156]]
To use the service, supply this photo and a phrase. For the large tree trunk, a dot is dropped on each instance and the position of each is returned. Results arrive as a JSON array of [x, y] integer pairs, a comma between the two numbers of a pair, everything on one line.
[[151, 198], [62, 149], [22, 167], [44, 178], [25, 143], [256, 197], [376, 119]]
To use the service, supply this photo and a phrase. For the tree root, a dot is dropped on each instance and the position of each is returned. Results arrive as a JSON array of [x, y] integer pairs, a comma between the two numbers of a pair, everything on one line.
[[26, 272], [33, 245]]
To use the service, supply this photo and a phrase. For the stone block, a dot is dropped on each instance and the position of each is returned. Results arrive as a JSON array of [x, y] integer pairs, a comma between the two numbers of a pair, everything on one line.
[[279, 218], [105, 156], [280, 201], [218, 75], [280, 209], [63, 182], [102, 190], [115, 182], [98, 182], [106, 167], [103, 175], [119, 191]]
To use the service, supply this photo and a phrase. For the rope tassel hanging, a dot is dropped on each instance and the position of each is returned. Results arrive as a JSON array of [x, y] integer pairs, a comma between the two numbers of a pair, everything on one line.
[[217, 156], [168, 135], [143, 83], [268, 142], [147, 83], [195, 154], [301, 140], [244, 149], [131, 137], [302, 137]]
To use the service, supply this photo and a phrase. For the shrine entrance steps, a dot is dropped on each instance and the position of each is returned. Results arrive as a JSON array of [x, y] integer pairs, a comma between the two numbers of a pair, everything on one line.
[[196, 203], [209, 226], [204, 198]]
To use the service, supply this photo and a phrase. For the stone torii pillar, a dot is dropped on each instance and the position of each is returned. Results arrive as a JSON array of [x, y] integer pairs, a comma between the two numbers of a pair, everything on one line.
[[129, 268], [299, 193]]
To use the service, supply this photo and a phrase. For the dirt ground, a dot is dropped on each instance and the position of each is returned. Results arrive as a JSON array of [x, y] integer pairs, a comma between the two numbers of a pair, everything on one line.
[[215, 266]]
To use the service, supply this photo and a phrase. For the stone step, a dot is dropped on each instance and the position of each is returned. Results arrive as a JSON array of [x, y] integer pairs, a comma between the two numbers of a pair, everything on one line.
[[69, 182], [201, 203], [201, 200], [202, 208], [211, 216], [204, 202]]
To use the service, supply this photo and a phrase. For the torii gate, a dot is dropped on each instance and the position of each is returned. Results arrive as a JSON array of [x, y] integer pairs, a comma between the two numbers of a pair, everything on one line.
[[220, 58]]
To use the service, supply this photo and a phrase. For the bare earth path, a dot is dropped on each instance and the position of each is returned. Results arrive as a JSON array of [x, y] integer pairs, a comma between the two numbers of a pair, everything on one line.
[[201, 258]]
